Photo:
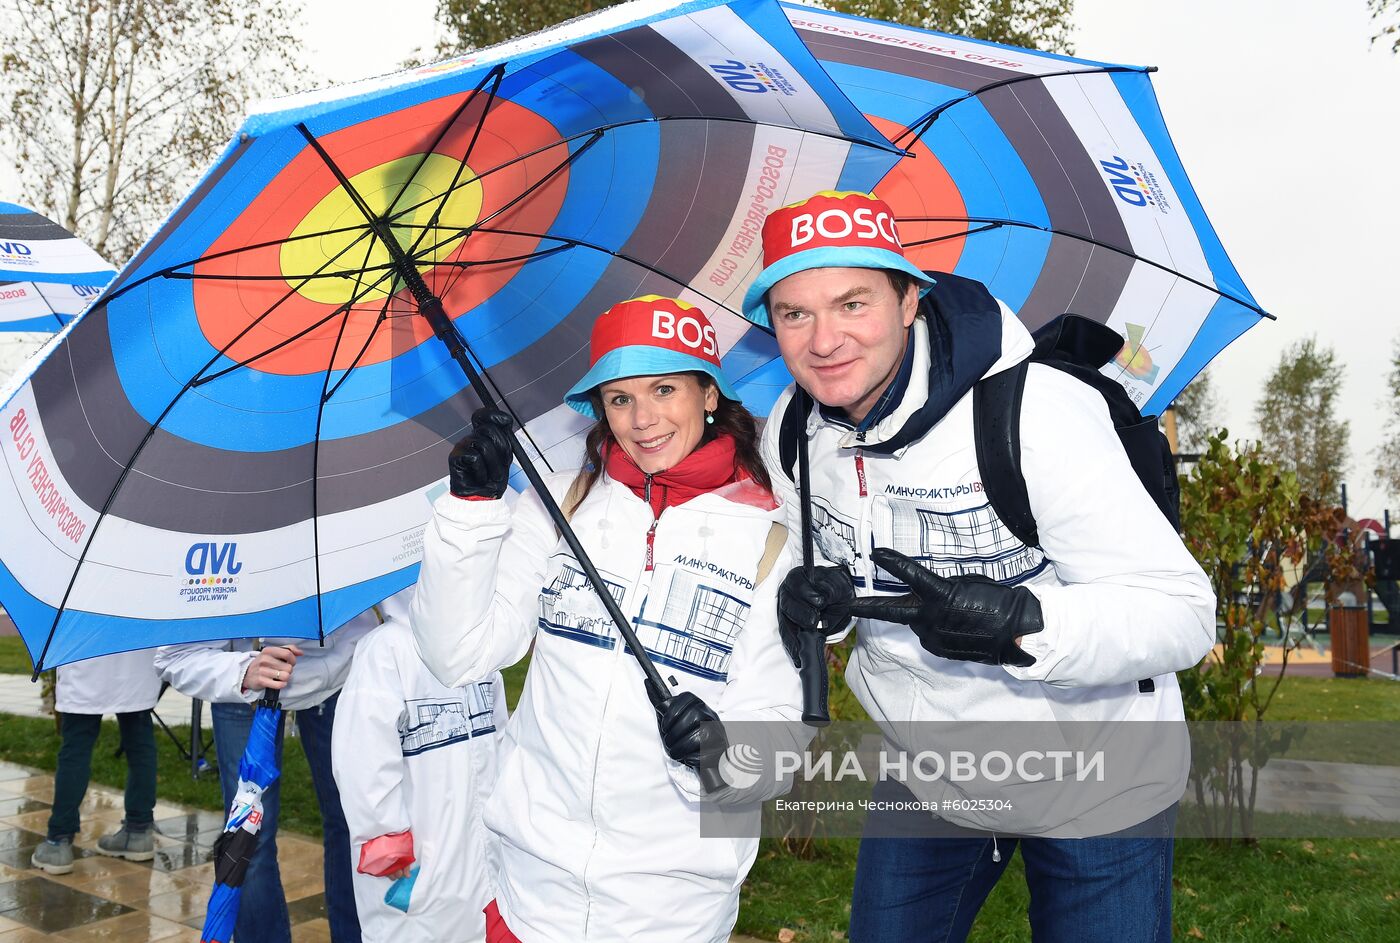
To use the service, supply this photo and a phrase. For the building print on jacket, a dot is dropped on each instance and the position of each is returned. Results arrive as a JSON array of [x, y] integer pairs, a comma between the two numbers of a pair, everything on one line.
[[689, 620], [953, 543], [429, 723]]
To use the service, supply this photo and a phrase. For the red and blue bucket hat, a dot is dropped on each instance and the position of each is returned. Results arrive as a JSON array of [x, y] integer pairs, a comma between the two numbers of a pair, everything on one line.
[[649, 336], [833, 229]]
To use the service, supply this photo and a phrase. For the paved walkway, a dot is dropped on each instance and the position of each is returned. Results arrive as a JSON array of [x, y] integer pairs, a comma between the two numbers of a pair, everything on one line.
[[122, 901]]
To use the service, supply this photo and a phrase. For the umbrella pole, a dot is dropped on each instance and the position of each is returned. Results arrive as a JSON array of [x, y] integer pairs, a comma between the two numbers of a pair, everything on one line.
[[430, 307], [657, 689], [811, 645]]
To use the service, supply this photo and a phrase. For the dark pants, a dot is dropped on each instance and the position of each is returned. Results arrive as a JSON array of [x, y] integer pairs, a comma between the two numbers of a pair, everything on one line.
[[1083, 890], [70, 780], [262, 917]]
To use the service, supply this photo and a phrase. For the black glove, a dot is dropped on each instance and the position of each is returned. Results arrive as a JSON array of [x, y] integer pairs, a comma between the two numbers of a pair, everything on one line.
[[818, 603], [479, 465], [690, 731], [969, 618]]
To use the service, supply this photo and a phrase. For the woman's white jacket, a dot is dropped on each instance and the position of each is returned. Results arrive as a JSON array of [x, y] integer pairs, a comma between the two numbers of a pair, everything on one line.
[[600, 833]]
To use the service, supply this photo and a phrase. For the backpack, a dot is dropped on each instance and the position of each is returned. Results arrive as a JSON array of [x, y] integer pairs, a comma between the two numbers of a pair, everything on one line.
[[1070, 343]]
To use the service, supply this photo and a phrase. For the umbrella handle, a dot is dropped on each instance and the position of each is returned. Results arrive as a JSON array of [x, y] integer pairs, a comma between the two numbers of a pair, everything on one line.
[[811, 645]]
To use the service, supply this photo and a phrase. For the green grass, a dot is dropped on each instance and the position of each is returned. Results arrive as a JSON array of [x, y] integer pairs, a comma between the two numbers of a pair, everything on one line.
[[14, 657]]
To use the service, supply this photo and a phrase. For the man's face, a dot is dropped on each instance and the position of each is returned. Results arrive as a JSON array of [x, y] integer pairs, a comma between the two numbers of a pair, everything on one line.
[[842, 333]]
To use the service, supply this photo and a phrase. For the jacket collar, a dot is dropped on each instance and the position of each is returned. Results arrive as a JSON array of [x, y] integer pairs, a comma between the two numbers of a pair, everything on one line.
[[968, 351]]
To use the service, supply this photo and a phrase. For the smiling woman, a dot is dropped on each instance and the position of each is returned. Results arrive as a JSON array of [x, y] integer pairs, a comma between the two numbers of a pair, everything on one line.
[[676, 510]]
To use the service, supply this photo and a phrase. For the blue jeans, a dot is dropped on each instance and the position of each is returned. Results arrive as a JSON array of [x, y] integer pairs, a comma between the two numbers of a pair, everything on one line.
[[262, 916], [1085, 890]]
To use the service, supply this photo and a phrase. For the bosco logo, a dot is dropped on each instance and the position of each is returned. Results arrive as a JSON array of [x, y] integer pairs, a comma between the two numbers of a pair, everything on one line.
[[666, 326], [863, 224]]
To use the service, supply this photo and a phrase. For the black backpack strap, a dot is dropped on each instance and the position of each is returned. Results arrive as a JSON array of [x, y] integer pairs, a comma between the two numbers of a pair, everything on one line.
[[790, 429], [996, 424]]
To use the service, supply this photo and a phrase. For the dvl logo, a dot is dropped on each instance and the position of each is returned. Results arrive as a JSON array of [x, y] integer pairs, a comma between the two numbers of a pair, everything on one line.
[[1123, 181], [213, 559], [739, 76], [15, 248]]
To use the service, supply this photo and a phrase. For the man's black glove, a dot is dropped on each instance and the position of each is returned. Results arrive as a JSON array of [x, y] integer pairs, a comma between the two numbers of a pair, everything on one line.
[[479, 465], [818, 603], [690, 731], [969, 618]]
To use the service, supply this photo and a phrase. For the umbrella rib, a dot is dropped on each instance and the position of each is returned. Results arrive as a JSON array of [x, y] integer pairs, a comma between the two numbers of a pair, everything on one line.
[[494, 76], [383, 316], [920, 127], [141, 446], [994, 222], [343, 308]]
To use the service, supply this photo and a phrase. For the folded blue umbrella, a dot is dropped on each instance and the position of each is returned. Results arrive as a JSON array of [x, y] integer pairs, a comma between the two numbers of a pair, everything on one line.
[[257, 770]]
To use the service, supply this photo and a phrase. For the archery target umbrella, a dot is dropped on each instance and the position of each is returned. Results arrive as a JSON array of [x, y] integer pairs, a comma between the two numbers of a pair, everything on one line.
[[244, 435]]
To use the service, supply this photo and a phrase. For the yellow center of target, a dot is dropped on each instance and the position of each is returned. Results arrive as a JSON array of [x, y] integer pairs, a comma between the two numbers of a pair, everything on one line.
[[408, 188]]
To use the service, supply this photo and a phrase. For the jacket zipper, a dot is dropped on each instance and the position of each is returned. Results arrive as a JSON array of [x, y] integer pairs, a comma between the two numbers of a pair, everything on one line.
[[860, 464], [651, 531]]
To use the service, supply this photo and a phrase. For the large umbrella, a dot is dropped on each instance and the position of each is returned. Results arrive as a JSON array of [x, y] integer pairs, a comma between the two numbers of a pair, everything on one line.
[[1053, 180], [233, 849], [47, 274], [248, 427]]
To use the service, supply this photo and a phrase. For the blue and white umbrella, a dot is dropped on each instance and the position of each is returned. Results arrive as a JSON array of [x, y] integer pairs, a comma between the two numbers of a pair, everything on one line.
[[47, 274]]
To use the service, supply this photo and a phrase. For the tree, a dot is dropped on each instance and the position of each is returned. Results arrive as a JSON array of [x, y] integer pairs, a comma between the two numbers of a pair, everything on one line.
[[1250, 526], [1034, 24], [1197, 414], [1038, 24], [474, 24], [1387, 470], [1297, 417], [116, 106], [1385, 14]]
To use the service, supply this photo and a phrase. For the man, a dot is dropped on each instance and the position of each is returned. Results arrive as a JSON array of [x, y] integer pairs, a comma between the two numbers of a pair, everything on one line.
[[1088, 626]]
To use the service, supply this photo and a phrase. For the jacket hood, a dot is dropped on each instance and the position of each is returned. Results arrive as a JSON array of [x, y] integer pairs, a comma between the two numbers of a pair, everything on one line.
[[950, 356]]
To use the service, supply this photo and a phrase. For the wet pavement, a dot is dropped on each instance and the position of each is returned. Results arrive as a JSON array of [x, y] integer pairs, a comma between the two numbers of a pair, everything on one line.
[[108, 899]]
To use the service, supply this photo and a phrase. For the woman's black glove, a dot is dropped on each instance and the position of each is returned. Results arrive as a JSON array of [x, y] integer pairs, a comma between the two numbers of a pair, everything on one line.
[[968, 618], [690, 731], [819, 602], [479, 465]]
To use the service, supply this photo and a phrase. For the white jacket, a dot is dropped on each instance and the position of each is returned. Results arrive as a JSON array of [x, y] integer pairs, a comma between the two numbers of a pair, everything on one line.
[[412, 754], [599, 830], [213, 671], [109, 684], [1122, 598]]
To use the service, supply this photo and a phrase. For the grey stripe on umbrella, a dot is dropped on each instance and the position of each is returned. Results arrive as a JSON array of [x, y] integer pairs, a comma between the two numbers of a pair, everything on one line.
[[175, 481], [31, 227], [1076, 274]]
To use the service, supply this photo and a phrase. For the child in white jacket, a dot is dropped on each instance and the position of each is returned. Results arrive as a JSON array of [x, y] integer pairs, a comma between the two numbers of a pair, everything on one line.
[[415, 761]]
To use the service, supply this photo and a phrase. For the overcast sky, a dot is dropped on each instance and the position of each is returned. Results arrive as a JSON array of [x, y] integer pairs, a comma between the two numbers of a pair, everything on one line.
[[1287, 121]]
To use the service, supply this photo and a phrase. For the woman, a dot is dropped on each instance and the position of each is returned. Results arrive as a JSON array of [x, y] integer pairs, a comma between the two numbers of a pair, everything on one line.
[[597, 805]]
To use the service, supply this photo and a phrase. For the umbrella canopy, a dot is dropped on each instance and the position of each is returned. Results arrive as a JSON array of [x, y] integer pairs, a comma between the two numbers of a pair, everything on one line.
[[257, 770], [248, 428], [47, 274], [1052, 180]]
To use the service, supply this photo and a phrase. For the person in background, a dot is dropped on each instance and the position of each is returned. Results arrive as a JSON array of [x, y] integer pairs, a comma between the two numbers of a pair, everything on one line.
[[127, 685], [233, 676], [415, 761]]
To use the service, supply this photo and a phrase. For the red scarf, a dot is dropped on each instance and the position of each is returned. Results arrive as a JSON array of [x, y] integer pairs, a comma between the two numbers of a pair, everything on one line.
[[709, 467]]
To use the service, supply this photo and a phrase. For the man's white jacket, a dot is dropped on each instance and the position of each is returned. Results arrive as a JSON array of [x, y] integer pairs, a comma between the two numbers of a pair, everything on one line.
[[1122, 598], [411, 754], [599, 831]]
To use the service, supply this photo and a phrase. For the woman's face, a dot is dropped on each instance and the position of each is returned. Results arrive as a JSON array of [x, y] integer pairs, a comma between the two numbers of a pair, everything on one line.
[[658, 420]]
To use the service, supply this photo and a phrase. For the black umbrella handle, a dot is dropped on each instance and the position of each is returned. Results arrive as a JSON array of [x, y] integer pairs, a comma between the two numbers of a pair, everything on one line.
[[811, 645]]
